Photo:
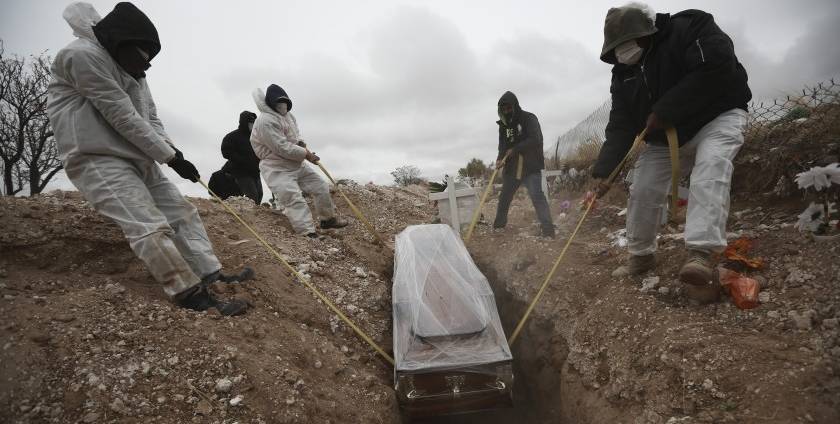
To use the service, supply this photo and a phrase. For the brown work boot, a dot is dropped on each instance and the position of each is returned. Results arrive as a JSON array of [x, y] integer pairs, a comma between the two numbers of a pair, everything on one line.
[[698, 269], [636, 265]]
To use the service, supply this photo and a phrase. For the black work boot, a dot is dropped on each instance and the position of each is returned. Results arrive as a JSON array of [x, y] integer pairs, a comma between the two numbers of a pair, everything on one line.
[[333, 223], [198, 298], [246, 274], [547, 232]]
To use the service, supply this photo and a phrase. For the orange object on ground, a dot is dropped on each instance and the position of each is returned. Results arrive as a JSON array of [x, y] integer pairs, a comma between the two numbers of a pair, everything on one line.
[[737, 251], [742, 289]]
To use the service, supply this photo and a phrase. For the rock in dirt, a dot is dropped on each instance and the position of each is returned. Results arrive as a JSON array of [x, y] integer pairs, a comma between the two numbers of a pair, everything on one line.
[[91, 417], [360, 272], [223, 385], [40, 338], [236, 400], [63, 318], [763, 297], [802, 321], [119, 407], [203, 408], [831, 323], [649, 284]]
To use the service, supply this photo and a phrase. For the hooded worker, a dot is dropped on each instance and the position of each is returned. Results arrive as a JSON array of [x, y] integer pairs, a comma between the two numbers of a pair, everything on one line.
[[109, 138], [675, 71], [277, 143], [243, 165], [521, 153]]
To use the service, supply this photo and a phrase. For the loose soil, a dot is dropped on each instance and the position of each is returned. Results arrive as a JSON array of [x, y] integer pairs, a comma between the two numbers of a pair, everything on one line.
[[87, 335]]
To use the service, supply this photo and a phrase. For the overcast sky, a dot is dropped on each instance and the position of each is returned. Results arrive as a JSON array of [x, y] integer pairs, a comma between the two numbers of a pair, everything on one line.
[[380, 84]]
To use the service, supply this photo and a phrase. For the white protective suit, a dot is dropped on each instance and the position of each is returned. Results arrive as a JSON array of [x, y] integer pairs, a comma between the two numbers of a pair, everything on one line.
[[109, 137], [282, 164], [708, 157]]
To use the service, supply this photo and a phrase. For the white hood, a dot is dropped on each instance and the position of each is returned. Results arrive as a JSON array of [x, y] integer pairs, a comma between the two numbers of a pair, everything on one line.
[[259, 99], [82, 17]]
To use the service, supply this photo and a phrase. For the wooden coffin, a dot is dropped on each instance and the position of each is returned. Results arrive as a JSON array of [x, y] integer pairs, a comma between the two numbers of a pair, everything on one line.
[[451, 352]]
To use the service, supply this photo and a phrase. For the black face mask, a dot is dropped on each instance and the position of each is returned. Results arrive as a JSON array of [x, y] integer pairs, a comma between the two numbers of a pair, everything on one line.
[[133, 60], [506, 113]]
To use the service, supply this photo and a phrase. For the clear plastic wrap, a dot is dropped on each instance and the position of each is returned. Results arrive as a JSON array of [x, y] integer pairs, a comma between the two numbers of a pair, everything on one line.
[[445, 315]]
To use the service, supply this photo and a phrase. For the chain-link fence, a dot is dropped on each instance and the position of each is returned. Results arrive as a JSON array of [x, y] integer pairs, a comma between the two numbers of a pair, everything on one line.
[[818, 106]]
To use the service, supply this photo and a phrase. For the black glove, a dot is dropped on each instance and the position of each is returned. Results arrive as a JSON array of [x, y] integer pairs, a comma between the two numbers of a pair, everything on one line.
[[184, 168], [178, 153]]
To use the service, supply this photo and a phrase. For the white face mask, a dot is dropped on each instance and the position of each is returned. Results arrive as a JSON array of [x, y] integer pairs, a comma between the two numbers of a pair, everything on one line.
[[629, 53], [282, 108]]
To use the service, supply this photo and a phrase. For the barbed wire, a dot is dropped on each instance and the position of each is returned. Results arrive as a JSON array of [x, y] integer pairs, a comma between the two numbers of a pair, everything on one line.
[[580, 145]]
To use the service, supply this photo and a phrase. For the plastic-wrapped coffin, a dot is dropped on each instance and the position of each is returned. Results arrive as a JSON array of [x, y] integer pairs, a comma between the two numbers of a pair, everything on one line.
[[450, 350]]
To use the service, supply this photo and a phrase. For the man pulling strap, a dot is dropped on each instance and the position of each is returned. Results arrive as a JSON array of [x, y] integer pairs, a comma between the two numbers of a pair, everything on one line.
[[675, 71]]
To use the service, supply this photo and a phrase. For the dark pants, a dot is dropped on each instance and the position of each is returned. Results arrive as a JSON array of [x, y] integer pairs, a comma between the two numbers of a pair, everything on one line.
[[250, 186], [533, 183]]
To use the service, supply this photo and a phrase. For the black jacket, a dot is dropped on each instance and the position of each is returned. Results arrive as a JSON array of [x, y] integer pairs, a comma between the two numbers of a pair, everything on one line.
[[688, 76], [223, 185], [236, 148], [523, 137]]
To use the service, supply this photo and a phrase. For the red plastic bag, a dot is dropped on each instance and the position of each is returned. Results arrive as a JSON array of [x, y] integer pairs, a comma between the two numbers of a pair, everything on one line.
[[742, 289]]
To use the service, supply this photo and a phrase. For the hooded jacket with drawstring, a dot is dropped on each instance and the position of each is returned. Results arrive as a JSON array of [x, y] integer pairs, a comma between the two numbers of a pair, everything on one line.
[[523, 136], [688, 76]]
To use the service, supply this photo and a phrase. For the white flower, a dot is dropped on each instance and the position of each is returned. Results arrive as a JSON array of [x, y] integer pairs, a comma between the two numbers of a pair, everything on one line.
[[819, 177], [813, 217], [833, 172]]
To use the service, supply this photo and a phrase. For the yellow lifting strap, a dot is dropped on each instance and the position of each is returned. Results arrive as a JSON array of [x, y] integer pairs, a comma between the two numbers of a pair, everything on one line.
[[636, 144], [477, 211], [309, 285], [353, 207], [674, 150]]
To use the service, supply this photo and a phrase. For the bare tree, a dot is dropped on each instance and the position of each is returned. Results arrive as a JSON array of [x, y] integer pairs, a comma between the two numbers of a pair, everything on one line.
[[27, 146], [406, 175]]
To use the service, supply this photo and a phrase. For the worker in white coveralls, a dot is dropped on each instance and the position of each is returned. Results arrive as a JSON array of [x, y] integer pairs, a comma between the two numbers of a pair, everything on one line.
[[109, 138], [673, 71], [283, 155]]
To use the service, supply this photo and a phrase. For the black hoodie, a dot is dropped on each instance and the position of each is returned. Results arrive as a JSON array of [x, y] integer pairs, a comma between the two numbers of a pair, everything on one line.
[[236, 148], [523, 137], [127, 24]]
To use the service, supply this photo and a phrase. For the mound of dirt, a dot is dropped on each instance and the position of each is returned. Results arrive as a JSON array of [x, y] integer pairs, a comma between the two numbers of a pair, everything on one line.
[[88, 336]]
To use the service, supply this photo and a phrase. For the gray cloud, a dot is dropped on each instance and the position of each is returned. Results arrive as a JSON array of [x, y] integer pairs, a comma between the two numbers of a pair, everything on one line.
[[382, 84], [420, 94]]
